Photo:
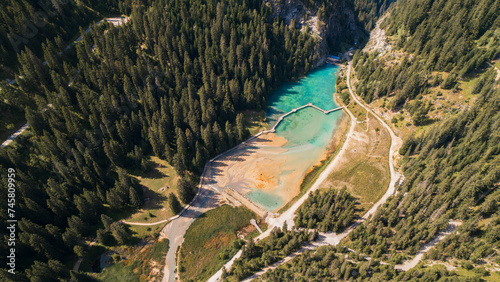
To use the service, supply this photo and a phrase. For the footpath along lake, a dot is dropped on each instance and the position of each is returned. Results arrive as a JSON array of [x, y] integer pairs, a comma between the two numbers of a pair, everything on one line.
[[271, 168]]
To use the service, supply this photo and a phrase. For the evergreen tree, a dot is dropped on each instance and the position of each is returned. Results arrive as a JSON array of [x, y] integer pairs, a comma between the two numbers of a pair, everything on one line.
[[119, 233], [174, 203], [186, 190], [135, 198], [106, 221]]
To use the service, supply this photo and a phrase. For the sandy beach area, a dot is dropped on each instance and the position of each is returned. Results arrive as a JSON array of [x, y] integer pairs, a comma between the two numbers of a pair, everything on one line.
[[266, 165]]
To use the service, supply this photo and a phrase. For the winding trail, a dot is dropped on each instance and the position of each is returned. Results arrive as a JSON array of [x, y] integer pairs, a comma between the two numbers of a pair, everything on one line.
[[147, 223], [323, 239], [289, 214], [333, 239], [409, 264], [326, 238], [14, 135], [396, 143]]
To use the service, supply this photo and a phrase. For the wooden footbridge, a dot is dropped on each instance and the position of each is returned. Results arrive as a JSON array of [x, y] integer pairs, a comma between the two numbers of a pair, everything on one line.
[[280, 119]]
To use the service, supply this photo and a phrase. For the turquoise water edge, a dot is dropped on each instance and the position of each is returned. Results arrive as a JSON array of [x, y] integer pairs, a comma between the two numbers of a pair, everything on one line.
[[308, 131]]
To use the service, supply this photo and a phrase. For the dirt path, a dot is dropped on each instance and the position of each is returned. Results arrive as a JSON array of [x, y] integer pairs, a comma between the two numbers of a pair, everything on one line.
[[377, 39], [79, 261], [396, 143], [148, 223], [289, 214], [177, 227], [311, 246], [175, 230], [324, 239], [409, 264]]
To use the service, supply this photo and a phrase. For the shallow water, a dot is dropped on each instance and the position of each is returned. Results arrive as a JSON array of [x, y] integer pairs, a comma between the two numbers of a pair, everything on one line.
[[308, 132]]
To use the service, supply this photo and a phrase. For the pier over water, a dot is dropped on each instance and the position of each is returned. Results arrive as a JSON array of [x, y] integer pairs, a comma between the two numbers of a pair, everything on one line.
[[280, 119]]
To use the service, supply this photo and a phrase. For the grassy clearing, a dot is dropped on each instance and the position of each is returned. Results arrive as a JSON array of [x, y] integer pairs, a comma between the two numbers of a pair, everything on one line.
[[140, 232], [145, 264], [358, 111], [255, 121], [120, 272], [211, 241], [157, 183], [497, 63], [364, 169], [357, 174]]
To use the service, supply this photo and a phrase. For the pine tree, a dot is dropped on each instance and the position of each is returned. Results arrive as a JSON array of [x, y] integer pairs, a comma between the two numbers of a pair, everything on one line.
[[101, 236], [135, 198], [106, 221], [240, 127], [119, 233], [174, 203], [185, 188], [35, 121], [80, 251]]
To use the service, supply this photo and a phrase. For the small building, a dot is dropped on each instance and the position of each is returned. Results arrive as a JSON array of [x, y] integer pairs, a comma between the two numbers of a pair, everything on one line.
[[334, 57]]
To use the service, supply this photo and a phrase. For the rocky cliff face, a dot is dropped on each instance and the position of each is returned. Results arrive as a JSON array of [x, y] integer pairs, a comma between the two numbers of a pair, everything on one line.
[[327, 23], [341, 20], [288, 9]]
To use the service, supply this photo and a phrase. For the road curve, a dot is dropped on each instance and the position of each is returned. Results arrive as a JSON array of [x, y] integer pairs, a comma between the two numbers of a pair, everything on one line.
[[175, 230], [145, 223], [396, 143]]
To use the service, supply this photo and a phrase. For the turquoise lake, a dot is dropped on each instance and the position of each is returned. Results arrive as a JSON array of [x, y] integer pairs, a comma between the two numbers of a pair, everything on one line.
[[308, 131]]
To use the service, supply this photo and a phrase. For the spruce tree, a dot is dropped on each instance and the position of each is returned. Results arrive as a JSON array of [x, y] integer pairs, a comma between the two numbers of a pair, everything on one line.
[[173, 202]]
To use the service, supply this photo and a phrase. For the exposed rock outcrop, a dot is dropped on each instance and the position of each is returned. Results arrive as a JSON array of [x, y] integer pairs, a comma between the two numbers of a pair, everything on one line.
[[325, 23]]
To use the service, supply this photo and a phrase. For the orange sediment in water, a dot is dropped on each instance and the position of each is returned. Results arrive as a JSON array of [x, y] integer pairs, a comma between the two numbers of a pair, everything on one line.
[[270, 169]]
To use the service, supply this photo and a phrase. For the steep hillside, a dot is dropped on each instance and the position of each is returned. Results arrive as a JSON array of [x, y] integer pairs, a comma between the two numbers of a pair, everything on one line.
[[435, 82], [369, 10], [331, 22], [432, 77], [29, 23], [437, 43], [37, 26]]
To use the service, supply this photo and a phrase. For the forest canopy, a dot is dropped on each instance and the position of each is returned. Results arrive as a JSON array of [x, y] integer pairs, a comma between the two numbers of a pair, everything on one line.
[[456, 37], [171, 83], [451, 172]]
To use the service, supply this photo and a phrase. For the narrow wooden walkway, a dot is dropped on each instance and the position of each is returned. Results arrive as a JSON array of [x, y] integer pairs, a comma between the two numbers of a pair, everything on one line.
[[280, 119]]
